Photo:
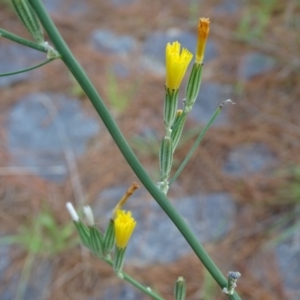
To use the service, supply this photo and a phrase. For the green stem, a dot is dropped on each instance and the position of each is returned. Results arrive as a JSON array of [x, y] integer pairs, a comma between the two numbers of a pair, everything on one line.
[[79, 74], [28, 69], [135, 283], [196, 144], [19, 40]]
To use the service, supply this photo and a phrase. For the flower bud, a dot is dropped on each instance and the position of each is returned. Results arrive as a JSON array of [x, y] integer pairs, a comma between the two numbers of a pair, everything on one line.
[[180, 289], [165, 158], [177, 128], [193, 87], [109, 238], [177, 62], [96, 241], [124, 227], [83, 233], [89, 215], [170, 108], [119, 259], [72, 211], [82, 230], [29, 19], [203, 31], [232, 280]]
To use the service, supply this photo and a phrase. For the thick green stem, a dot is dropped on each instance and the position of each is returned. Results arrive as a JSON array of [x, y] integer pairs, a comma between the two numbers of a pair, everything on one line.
[[77, 71], [19, 40]]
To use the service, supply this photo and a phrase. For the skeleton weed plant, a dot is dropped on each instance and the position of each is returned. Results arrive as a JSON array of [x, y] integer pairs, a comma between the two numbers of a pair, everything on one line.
[[111, 246]]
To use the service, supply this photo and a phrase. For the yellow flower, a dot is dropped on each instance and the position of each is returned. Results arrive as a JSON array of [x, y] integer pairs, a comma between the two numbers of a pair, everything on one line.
[[124, 226], [176, 64], [203, 31]]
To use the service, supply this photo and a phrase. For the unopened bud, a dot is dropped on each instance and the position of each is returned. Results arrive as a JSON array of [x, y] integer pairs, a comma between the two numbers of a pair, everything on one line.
[[232, 280], [170, 108], [193, 87], [180, 289], [88, 215], [165, 158], [29, 19], [177, 128]]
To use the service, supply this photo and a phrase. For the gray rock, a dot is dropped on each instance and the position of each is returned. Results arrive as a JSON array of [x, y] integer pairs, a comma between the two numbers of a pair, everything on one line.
[[6, 294], [211, 95], [124, 291], [263, 266], [120, 70], [122, 2], [156, 239], [15, 57], [255, 64], [40, 280], [38, 285], [154, 48], [73, 7], [288, 257], [5, 260], [248, 159], [228, 7], [108, 42], [37, 138]]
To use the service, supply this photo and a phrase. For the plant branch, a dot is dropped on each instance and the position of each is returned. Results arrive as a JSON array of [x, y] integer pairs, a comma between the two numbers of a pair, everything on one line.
[[28, 69], [135, 283], [196, 144], [79, 74], [24, 42]]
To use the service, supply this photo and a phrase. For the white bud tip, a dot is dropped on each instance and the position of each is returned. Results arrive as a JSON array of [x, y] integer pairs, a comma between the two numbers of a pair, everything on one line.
[[89, 215], [72, 212], [228, 101]]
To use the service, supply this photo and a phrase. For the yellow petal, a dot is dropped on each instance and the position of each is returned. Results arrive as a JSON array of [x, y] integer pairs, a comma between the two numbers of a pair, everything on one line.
[[176, 64], [124, 226]]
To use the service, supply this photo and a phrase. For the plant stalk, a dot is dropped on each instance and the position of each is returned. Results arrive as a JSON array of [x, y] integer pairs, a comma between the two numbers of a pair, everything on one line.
[[24, 42], [196, 144], [28, 69], [135, 283], [79, 74]]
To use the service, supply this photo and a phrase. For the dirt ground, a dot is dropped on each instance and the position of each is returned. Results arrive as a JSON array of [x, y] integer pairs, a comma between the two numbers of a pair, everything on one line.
[[267, 111]]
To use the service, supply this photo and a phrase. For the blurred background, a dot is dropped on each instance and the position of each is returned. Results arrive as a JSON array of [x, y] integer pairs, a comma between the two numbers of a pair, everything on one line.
[[240, 192]]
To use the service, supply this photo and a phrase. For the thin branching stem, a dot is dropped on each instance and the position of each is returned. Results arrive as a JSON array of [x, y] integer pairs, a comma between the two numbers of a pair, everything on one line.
[[85, 83], [196, 144], [135, 283], [28, 69], [10, 36]]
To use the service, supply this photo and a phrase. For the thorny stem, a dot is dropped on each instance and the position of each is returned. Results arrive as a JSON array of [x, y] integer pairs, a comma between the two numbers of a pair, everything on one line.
[[85, 83]]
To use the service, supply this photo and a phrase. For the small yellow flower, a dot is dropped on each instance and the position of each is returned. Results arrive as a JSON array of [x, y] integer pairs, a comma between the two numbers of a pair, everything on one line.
[[203, 31], [176, 64], [124, 226]]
